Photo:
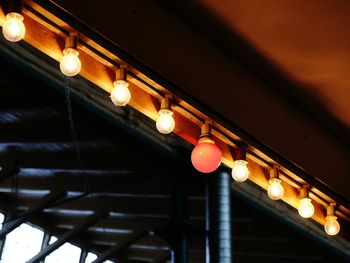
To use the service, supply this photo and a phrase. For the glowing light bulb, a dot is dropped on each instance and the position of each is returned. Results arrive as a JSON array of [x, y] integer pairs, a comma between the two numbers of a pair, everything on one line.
[[13, 28], [165, 122], [206, 156], [332, 227], [70, 63], [275, 190], [240, 171], [306, 208], [120, 94]]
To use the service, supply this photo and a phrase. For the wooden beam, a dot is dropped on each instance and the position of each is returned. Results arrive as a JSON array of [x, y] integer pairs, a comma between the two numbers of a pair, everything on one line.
[[31, 211], [88, 222], [122, 245]]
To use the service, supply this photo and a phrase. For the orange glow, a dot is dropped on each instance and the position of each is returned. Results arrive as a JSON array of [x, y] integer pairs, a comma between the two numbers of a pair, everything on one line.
[[206, 156]]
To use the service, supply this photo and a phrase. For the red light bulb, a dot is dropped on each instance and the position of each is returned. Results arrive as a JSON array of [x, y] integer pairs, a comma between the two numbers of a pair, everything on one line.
[[206, 156]]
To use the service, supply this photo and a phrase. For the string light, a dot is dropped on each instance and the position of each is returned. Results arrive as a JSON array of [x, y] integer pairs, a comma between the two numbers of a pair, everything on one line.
[[332, 227], [70, 64], [120, 94], [275, 190], [240, 171], [206, 156], [13, 27], [306, 209], [165, 122]]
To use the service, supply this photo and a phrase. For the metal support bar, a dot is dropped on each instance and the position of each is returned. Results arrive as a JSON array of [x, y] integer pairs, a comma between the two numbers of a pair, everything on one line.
[[88, 222], [218, 218], [83, 256], [120, 246], [2, 240], [45, 201], [45, 243]]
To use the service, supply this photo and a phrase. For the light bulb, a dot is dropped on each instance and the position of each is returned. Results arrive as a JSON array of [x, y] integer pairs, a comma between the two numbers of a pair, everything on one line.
[[306, 208], [275, 190], [13, 28], [206, 156], [165, 122], [120, 94], [332, 227], [240, 171], [70, 64]]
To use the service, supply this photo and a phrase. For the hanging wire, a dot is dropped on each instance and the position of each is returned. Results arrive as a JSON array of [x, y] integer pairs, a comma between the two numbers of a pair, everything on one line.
[[86, 184]]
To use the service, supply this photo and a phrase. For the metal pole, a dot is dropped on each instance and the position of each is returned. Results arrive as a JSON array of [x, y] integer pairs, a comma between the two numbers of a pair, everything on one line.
[[218, 218], [83, 256], [45, 243]]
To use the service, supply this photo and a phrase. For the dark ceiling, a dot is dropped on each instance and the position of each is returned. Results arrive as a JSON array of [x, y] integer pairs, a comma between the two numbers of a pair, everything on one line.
[[307, 40]]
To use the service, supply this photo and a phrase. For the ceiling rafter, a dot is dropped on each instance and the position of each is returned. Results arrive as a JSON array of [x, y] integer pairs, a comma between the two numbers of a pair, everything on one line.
[[31, 211], [120, 246], [88, 222]]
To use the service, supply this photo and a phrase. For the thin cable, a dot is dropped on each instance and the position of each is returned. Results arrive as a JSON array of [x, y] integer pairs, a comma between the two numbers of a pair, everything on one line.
[[86, 185]]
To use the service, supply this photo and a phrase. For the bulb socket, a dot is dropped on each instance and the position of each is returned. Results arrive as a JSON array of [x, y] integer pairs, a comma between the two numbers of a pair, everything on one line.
[[206, 130], [72, 40], [241, 153], [10, 6], [304, 192], [274, 172], [122, 73], [331, 209], [165, 103]]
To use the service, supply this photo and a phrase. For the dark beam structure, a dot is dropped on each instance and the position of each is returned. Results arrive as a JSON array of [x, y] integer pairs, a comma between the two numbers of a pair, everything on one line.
[[88, 222], [218, 214], [9, 164], [162, 258], [178, 233], [122, 245], [37, 207], [83, 255], [45, 242]]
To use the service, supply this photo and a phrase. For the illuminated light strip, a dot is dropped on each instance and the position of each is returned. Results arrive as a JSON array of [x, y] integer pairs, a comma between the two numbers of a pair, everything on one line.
[[47, 33]]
